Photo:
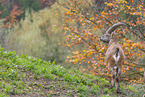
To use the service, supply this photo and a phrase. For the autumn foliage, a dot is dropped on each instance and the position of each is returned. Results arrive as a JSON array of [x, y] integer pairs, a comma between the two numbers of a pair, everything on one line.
[[88, 18], [13, 17], [86, 21], [13, 10]]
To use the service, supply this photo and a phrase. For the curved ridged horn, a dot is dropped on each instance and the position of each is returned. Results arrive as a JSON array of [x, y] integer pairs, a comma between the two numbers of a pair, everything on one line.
[[112, 28]]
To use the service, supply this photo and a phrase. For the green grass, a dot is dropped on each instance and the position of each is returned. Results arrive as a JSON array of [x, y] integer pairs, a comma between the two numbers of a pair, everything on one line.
[[29, 76]]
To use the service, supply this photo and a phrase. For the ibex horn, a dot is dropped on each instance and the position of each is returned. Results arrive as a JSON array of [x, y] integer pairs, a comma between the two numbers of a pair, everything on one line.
[[112, 28]]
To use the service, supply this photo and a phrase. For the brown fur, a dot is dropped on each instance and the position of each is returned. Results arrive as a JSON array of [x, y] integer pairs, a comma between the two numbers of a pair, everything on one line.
[[114, 52], [111, 51]]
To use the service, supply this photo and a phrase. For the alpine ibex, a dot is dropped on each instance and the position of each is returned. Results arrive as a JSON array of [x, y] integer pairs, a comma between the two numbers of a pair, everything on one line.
[[114, 55]]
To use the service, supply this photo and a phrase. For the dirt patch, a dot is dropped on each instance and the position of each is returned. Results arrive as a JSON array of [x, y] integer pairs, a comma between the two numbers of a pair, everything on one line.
[[38, 86]]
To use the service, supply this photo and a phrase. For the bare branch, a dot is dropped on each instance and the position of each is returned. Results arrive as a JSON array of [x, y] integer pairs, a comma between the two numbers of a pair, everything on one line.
[[135, 73], [99, 13]]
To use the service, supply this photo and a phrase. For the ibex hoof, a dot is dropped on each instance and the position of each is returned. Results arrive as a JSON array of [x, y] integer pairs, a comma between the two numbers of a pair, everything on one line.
[[118, 91], [111, 86]]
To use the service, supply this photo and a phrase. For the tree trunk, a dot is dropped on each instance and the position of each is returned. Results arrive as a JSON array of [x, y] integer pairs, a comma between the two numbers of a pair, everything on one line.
[[144, 75], [8, 4]]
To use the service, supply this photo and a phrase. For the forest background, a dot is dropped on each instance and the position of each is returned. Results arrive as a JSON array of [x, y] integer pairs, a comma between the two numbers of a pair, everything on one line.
[[68, 31]]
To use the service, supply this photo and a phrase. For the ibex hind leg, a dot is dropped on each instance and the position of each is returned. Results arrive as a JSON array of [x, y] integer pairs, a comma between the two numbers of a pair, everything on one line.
[[112, 77], [117, 80]]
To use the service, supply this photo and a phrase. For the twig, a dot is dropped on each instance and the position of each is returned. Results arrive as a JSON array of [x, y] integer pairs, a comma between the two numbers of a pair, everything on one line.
[[135, 73], [86, 41], [128, 26], [99, 13], [81, 12]]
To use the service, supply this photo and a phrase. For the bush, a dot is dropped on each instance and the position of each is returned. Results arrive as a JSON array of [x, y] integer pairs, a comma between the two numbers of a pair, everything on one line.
[[37, 35]]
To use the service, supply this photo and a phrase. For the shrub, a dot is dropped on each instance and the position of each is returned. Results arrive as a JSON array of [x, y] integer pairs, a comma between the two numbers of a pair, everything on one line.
[[37, 35]]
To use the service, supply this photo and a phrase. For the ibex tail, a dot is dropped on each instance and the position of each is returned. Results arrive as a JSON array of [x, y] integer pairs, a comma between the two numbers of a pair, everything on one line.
[[116, 56]]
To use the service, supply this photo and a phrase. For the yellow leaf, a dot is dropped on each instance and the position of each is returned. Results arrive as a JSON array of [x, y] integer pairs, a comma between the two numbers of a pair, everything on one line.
[[101, 60], [105, 3], [125, 2], [95, 67], [91, 18], [109, 4], [88, 62]]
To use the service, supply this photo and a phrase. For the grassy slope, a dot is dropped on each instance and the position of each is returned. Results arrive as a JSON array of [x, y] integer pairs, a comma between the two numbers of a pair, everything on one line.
[[29, 76]]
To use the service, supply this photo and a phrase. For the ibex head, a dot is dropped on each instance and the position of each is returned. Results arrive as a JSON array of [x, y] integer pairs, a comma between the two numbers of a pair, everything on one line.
[[105, 38], [109, 35]]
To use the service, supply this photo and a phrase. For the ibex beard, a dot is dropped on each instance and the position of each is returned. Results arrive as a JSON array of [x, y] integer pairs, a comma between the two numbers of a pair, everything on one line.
[[114, 55]]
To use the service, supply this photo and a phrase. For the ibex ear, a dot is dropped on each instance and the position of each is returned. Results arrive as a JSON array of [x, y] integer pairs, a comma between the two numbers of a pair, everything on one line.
[[113, 34]]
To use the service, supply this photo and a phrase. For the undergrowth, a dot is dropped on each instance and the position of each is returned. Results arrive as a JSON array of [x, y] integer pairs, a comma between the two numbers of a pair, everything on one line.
[[29, 76]]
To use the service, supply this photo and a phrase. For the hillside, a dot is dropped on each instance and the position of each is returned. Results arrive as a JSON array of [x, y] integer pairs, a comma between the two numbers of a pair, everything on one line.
[[32, 77]]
